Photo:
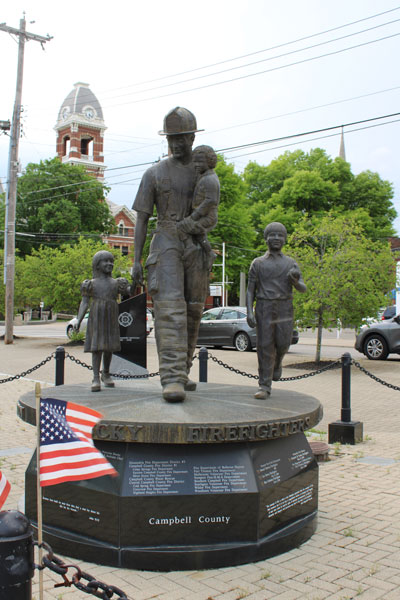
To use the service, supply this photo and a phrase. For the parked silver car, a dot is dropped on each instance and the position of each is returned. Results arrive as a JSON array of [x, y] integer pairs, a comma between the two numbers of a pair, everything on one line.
[[380, 339], [71, 324], [228, 327]]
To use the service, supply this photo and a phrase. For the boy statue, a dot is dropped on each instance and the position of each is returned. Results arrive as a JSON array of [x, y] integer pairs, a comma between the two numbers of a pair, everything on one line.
[[271, 280]]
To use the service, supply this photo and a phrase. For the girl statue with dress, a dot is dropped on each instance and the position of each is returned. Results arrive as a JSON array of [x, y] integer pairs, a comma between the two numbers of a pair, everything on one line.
[[102, 333]]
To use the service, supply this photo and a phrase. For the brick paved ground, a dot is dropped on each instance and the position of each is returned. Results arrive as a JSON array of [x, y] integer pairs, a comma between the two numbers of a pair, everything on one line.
[[355, 552]]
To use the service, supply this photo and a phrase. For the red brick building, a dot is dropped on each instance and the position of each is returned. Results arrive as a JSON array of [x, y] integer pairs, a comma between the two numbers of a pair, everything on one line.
[[125, 221]]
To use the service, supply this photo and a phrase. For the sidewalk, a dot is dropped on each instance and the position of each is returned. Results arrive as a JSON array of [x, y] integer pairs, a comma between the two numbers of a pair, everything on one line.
[[355, 552], [344, 338]]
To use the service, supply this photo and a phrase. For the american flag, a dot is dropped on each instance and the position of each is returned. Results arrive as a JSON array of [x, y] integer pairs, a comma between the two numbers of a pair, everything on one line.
[[4, 489], [67, 452]]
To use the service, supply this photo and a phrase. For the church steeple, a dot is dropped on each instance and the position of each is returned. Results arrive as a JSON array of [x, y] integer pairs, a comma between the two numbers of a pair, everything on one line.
[[80, 130], [342, 152]]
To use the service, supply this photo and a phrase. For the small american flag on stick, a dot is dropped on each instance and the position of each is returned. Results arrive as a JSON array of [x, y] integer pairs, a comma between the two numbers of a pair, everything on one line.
[[4, 489], [67, 452]]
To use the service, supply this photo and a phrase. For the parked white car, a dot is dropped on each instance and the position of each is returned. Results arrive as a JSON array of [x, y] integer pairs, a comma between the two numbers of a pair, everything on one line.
[[72, 323]]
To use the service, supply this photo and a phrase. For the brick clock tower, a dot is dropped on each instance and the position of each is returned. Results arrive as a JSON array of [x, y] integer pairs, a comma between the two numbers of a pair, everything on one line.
[[80, 136], [80, 130]]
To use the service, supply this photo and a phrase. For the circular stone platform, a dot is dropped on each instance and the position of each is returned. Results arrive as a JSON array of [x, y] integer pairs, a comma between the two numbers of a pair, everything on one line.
[[219, 480], [214, 413]]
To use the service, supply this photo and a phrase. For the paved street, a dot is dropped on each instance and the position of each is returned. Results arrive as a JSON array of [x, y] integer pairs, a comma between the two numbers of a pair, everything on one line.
[[355, 552], [332, 340]]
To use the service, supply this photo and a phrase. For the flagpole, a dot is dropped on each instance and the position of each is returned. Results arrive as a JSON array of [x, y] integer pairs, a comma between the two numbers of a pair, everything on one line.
[[39, 489]]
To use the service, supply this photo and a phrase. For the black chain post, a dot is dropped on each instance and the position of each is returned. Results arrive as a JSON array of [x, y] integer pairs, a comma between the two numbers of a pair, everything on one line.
[[16, 556], [345, 431], [203, 364], [346, 394], [60, 363]]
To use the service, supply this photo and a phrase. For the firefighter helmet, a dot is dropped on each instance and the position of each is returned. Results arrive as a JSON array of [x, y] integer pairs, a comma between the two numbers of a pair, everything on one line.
[[178, 121]]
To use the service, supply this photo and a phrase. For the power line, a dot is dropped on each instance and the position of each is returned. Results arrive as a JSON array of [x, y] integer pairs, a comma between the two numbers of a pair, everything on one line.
[[228, 149], [70, 193], [314, 139], [67, 185], [258, 52], [281, 115], [259, 61], [278, 139], [301, 110], [301, 39], [272, 69], [46, 235]]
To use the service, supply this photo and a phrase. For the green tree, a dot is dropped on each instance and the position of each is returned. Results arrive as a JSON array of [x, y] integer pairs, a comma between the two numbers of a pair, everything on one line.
[[234, 228], [57, 199], [18, 288], [54, 275], [299, 183], [347, 277]]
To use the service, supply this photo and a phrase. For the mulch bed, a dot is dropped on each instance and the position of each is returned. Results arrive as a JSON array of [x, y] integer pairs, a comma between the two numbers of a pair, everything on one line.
[[312, 365]]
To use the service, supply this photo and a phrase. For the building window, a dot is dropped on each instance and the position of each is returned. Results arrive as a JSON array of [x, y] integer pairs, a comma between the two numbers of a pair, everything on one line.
[[125, 250], [116, 247], [66, 145], [121, 228], [87, 146]]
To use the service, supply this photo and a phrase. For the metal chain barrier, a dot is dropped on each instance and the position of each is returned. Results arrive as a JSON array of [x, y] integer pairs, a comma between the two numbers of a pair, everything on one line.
[[294, 378], [145, 376], [29, 371], [118, 375], [94, 586], [79, 362], [374, 377]]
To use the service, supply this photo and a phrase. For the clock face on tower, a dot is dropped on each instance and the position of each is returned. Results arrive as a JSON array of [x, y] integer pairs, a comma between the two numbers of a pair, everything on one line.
[[89, 112], [65, 113]]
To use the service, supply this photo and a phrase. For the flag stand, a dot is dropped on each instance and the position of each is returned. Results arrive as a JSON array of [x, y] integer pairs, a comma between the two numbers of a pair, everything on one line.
[[39, 490]]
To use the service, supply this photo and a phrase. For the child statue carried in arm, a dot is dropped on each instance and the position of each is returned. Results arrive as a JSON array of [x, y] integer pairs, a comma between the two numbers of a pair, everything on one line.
[[204, 215]]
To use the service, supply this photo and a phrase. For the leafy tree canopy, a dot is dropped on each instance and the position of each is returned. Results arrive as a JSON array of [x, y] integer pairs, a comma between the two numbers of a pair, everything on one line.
[[54, 275], [347, 277], [234, 228], [299, 183], [56, 199]]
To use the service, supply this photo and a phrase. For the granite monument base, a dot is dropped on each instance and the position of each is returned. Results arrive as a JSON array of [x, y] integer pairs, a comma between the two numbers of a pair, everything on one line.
[[220, 480]]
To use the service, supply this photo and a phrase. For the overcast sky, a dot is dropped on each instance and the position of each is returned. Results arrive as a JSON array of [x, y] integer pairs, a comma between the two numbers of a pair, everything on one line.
[[143, 58]]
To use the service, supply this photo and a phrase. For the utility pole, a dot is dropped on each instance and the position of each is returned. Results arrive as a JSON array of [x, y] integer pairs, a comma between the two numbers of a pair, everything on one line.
[[9, 237], [223, 282]]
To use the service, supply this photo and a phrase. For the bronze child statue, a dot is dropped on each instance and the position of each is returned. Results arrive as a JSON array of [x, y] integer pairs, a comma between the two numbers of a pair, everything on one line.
[[102, 334], [204, 215], [271, 280]]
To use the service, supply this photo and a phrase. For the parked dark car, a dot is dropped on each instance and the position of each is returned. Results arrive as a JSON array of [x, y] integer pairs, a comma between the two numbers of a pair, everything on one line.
[[228, 327], [380, 339], [389, 313]]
